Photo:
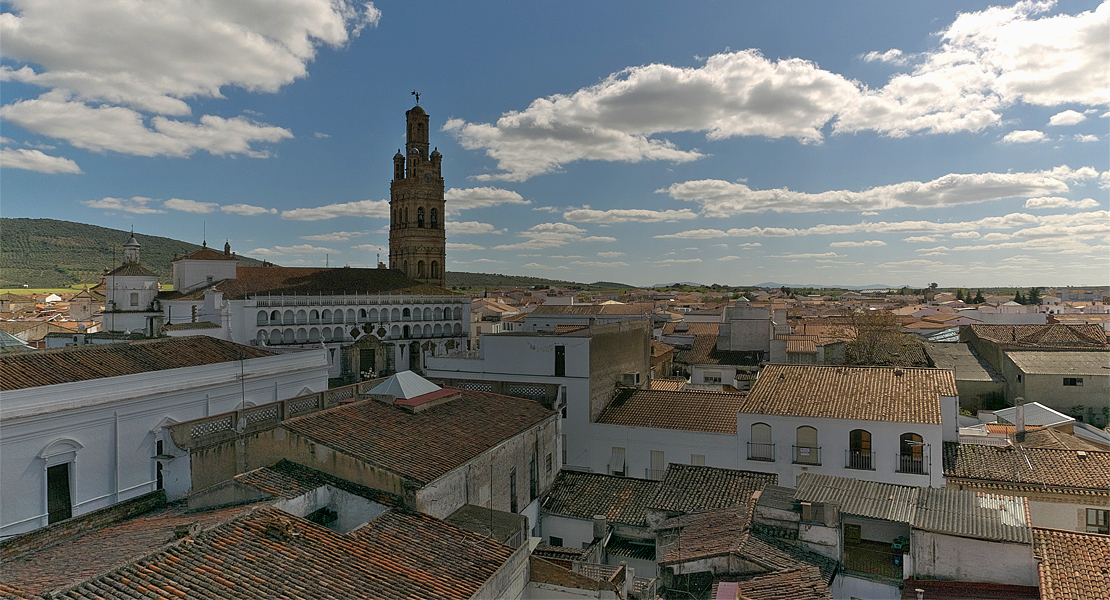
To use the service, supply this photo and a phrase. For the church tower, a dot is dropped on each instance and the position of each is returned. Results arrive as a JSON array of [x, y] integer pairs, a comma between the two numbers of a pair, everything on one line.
[[417, 242]]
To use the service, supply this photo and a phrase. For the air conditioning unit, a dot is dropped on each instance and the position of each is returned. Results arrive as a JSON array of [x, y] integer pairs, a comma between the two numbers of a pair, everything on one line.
[[630, 379]]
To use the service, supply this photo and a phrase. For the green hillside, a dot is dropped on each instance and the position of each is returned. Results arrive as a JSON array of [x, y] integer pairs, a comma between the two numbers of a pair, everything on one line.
[[49, 253], [493, 281]]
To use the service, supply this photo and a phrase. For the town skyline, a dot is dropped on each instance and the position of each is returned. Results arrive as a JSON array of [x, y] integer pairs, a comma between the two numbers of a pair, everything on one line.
[[716, 143]]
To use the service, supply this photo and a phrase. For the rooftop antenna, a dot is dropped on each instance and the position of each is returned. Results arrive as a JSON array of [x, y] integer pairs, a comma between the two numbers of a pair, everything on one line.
[[417, 94], [204, 233]]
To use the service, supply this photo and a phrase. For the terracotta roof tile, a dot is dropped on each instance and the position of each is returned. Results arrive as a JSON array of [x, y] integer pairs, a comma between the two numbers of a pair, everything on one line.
[[66, 365], [205, 253], [705, 535], [691, 328], [261, 281], [704, 352], [687, 410], [424, 445], [1053, 336], [1086, 470], [805, 583], [903, 394], [582, 495], [1072, 564], [687, 488], [285, 479], [132, 270]]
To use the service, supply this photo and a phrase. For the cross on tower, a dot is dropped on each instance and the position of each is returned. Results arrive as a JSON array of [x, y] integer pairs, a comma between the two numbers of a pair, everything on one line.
[[417, 94]]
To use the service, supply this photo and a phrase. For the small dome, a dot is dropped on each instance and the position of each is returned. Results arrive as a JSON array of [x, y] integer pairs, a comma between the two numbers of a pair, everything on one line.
[[398, 155], [436, 154], [416, 109]]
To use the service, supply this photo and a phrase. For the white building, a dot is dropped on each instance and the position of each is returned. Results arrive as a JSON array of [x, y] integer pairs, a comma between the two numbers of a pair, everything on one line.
[[130, 296], [81, 429]]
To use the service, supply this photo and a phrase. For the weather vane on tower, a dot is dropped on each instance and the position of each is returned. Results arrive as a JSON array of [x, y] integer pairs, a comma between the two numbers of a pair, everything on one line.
[[417, 94]]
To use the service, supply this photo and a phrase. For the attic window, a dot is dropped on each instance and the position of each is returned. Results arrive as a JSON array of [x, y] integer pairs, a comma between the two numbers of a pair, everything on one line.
[[1073, 382]]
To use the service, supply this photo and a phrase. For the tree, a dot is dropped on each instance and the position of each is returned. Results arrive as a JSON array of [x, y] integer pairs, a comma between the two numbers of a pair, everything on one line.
[[979, 299], [1034, 297], [933, 286], [959, 294], [878, 340], [1018, 297]]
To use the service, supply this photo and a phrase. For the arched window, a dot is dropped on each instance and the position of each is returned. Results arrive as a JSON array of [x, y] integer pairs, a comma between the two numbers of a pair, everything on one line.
[[262, 317], [420, 270], [435, 269], [134, 298], [806, 450], [406, 219], [420, 217], [761, 447], [406, 314], [911, 454], [859, 449], [435, 218], [406, 331]]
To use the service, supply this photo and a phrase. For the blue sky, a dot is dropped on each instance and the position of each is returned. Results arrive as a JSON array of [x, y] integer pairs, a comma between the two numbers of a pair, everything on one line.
[[642, 142]]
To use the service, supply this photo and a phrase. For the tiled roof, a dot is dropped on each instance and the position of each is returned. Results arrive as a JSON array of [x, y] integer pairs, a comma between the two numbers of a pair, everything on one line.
[[285, 479], [268, 554], [1072, 565], [1047, 437], [205, 253], [561, 329], [583, 495], [780, 555], [191, 326], [99, 551], [691, 329], [706, 534], [687, 488], [659, 348], [565, 309], [667, 384], [66, 365], [132, 270], [960, 358], [1023, 465], [261, 281], [704, 352], [903, 394], [425, 445], [805, 583], [713, 412], [1062, 363], [1055, 335], [944, 510]]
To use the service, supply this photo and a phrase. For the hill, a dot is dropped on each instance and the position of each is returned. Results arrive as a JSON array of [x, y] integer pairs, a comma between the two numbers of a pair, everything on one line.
[[493, 281], [52, 253]]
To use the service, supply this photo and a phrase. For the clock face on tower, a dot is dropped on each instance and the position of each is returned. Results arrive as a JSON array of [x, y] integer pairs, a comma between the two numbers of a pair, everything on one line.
[[427, 178]]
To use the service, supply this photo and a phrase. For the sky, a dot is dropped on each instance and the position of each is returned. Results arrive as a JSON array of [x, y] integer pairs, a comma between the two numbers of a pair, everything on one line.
[[827, 143]]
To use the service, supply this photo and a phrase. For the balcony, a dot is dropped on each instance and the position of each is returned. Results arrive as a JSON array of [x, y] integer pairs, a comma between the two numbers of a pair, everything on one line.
[[864, 461], [807, 455], [761, 452], [914, 465]]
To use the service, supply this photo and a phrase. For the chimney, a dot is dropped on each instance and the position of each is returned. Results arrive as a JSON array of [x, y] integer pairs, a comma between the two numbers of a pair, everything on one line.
[[600, 526], [1019, 420]]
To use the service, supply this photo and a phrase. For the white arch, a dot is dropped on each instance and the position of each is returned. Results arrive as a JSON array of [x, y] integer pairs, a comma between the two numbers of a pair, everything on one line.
[[427, 314], [60, 448]]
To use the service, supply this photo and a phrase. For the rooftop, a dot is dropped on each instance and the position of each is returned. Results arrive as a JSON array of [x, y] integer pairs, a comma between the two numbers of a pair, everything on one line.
[[261, 281], [421, 446], [903, 394], [1062, 363], [1075, 469], [704, 352], [712, 412], [943, 510], [582, 495], [132, 270], [1055, 335], [67, 365], [1072, 564], [683, 328], [206, 253], [705, 535], [687, 488], [959, 357], [804, 583]]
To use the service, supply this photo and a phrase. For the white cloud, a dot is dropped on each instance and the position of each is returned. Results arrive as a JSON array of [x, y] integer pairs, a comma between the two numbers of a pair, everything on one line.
[[480, 197], [470, 227], [321, 136], [586, 263], [610, 254], [985, 62], [678, 261], [34, 160], [131, 57], [338, 236], [368, 247], [729, 258], [860, 244], [1023, 137], [564, 256], [454, 247], [619, 215], [546, 235], [1057, 202], [808, 255], [297, 249], [247, 210], [937, 249], [1068, 117], [965, 235], [378, 209], [723, 198], [1085, 138], [135, 205], [190, 206], [749, 245], [487, 260], [921, 239], [893, 56], [598, 238], [533, 265], [695, 234]]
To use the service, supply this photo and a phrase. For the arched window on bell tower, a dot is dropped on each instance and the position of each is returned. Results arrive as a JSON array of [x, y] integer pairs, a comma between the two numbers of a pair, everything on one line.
[[420, 217], [435, 218]]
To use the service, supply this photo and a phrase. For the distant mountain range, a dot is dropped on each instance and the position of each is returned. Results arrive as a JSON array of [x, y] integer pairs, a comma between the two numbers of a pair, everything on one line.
[[873, 286]]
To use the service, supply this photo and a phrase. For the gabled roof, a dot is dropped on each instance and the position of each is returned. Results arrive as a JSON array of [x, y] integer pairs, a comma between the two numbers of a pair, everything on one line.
[[1054, 336], [1064, 470], [95, 361], [713, 412], [704, 352], [1072, 564], [405, 385], [687, 488], [902, 394], [680, 328], [1035, 414], [132, 270], [1059, 362], [802, 583], [206, 253], [582, 495], [706, 535], [421, 446]]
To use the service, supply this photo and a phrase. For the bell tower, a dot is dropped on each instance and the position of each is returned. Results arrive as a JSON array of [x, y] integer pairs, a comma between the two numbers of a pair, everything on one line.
[[417, 241]]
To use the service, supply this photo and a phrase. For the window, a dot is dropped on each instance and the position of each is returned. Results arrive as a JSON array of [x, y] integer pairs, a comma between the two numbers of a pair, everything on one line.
[[420, 270], [533, 478], [616, 462], [563, 411], [859, 449], [806, 450], [760, 447], [1098, 521], [657, 465], [158, 465], [555, 541], [712, 377], [59, 501], [911, 454], [512, 489], [698, 460], [435, 219], [135, 301], [560, 361], [1073, 382], [435, 268], [547, 462], [420, 217]]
